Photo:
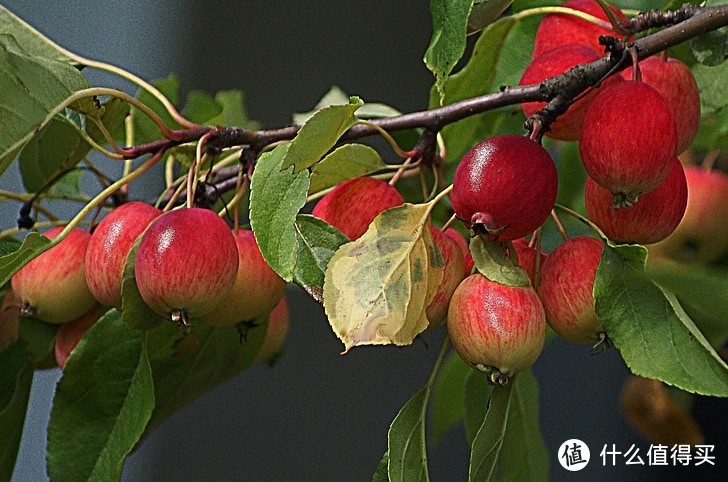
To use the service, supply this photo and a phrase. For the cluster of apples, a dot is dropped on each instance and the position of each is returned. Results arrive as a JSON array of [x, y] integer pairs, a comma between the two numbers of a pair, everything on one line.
[[630, 131], [188, 264]]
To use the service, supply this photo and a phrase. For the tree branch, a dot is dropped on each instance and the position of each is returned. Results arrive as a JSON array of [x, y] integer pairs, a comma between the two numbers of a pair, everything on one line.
[[559, 92], [702, 20]]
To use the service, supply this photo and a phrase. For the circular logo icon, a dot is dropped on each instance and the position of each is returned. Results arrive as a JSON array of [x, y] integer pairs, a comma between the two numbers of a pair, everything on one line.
[[573, 455]]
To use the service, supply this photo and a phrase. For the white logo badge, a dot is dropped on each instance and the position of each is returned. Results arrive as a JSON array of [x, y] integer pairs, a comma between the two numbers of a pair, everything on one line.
[[573, 455]]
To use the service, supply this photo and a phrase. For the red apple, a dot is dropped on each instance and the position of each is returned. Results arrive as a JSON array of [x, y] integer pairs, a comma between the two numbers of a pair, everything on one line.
[[554, 62], [256, 290], [52, 287], [561, 29], [702, 235], [496, 328], [109, 246], [454, 273], [506, 185], [566, 288], [464, 247], [652, 219], [677, 86], [186, 263], [69, 334], [352, 205], [628, 140], [275, 334]]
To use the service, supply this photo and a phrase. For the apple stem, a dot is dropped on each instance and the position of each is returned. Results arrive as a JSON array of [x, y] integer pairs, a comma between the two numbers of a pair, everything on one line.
[[583, 219], [173, 198], [636, 71], [105, 193], [448, 223], [405, 165], [95, 64], [241, 188], [535, 242], [395, 147], [194, 172], [602, 345], [559, 226]]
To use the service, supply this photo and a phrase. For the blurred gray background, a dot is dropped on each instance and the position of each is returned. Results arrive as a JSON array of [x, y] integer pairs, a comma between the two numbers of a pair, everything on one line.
[[316, 415]]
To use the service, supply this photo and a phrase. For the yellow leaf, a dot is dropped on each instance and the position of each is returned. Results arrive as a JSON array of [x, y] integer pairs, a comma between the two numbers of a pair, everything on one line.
[[377, 288]]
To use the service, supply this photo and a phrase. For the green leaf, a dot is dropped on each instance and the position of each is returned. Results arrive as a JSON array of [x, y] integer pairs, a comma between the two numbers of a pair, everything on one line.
[[68, 185], [135, 312], [710, 48], [12, 362], [375, 110], [448, 396], [56, 148], [34, 244], [376, 288], [32, 87], [317, 243], [344, 163], [712, 131], [34, 42], [523, 455], [144, 129], [713, 87], [653, 333], [200, 107], [488, 442], [572, 174], [40, 338], [276, 196], [59, 146], [406, 441], [477, 395], [703, 292], [8, 246], [319, 134], [381, 475], [449, 30], [113, 114], [185, 367], [102, 403], [491, 260], [233, 110], [476, 78], [484, 13], [16, 377], [335, 96]]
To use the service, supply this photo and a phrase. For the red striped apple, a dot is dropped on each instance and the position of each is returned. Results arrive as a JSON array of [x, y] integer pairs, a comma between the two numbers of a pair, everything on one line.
[[109, 246], [565, 287], [52, 287], [186, 263], [496, 328], [255, 291], [352, 205]]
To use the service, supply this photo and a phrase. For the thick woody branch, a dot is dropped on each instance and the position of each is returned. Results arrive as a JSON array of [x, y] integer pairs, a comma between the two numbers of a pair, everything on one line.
[[692, 22], [559, 92]]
